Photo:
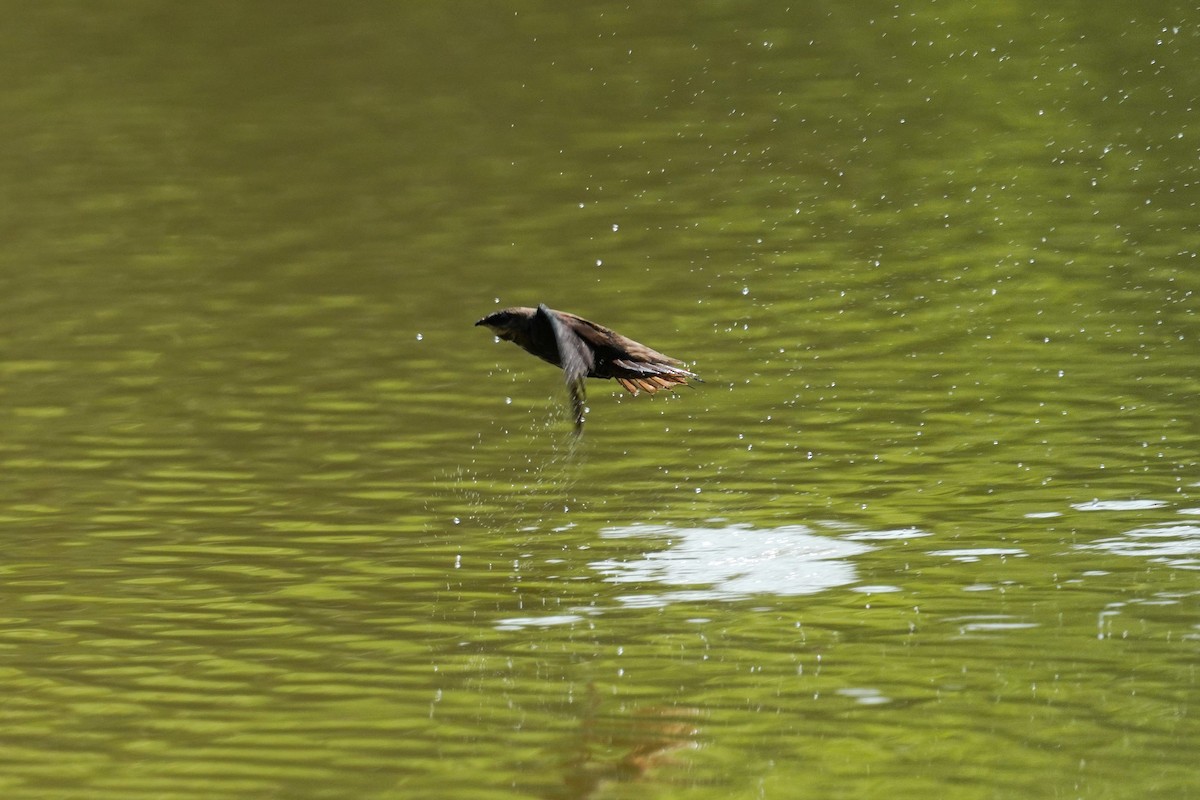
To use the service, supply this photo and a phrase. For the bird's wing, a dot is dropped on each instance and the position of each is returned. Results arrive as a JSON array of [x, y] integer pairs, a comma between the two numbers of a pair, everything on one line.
[[635, 366], [575, 358], [606, 339]]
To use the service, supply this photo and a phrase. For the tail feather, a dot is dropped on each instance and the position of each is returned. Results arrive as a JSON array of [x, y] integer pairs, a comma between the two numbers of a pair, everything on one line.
[[650, 376]]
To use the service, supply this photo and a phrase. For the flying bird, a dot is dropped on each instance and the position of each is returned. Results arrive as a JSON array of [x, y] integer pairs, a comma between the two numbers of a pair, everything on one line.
[[583, 349]]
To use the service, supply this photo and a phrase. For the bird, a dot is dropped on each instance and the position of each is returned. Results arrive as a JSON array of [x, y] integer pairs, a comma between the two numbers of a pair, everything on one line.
[[584, 349]]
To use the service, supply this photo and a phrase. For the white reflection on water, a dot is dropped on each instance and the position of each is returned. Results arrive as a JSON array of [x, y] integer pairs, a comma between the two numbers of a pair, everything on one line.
[[1118, 505], [989, 623], [731, 562], [971, 554], [865, 696], [550, 620], [1177, 545]]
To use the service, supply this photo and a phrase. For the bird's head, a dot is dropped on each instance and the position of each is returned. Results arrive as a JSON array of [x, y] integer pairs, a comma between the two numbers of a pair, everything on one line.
[[507, 323]]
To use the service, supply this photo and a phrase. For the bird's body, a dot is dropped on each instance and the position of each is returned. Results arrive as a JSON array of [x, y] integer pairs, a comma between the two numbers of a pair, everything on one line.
[[583, 349]]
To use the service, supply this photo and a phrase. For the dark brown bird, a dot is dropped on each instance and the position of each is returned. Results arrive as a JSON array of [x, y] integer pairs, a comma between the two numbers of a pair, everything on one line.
[[584, 349]]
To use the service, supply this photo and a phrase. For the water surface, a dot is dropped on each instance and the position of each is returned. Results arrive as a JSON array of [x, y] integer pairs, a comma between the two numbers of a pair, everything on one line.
[[278, 521]]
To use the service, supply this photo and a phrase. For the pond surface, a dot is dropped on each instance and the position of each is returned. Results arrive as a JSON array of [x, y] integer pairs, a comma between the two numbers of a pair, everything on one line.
[[277, 521]]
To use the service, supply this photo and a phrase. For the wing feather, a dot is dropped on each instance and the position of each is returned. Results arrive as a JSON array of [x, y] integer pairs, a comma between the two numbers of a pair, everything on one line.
[[575, 358]]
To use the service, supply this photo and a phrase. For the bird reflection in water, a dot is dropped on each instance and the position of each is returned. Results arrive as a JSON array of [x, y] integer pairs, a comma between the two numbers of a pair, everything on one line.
[[621, 749]]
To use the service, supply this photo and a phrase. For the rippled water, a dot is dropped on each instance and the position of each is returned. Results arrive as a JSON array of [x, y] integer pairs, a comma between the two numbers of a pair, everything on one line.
[[278, 521]]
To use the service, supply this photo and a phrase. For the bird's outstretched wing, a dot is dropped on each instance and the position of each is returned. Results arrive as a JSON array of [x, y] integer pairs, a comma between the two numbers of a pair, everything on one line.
[[635, 366], [574, 357]]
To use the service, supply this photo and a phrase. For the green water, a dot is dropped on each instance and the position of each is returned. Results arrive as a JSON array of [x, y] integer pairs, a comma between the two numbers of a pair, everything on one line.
[[277, 521]]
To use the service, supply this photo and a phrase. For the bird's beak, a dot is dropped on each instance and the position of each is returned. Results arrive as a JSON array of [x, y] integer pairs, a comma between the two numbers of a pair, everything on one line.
[[492, 329]]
